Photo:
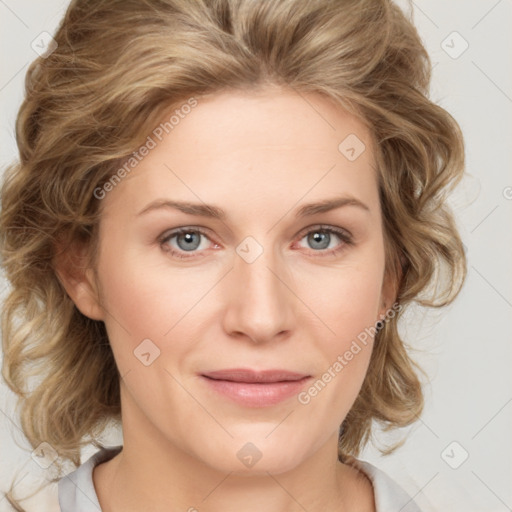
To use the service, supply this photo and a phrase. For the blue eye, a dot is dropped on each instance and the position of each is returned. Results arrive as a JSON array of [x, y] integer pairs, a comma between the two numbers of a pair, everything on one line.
[[188, 240], [191, 240], [320, 237]]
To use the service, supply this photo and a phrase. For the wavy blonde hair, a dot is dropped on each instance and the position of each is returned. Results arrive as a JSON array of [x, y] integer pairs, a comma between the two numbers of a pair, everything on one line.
[[91, 103]]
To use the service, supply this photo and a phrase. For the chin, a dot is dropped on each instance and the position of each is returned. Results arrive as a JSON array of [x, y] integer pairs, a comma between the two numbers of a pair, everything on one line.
[[255, 455]]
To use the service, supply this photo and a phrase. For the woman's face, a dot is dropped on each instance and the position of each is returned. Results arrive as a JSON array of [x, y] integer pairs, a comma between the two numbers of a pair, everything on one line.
[[260, 287]]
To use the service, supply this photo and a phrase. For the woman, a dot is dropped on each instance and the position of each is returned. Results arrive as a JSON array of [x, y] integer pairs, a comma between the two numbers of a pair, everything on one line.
[[221, 210]]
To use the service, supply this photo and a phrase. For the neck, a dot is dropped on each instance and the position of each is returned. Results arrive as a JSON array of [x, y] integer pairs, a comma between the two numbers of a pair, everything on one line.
[[153, 473]]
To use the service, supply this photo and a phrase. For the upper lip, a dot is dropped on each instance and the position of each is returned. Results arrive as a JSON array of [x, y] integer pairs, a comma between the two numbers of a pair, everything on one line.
[[248, 375]]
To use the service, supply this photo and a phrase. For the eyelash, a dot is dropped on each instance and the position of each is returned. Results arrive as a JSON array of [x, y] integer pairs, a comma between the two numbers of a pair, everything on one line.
[[344, 235]]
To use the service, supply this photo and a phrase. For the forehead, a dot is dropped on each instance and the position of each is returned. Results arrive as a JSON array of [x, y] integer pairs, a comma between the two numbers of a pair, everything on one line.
[[254, 145], [270, 117]]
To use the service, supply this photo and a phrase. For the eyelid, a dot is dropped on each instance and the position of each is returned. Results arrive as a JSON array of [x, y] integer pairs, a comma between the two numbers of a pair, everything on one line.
[[325, 227], [168, 235], [183, 229], [342, 233]]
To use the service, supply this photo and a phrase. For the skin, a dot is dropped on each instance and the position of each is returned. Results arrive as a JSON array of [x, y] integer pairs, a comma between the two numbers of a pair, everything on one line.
[[259, 156]]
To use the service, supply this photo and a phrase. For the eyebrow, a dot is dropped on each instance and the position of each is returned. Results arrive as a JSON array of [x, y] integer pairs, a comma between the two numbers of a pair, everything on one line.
[[214, 212]]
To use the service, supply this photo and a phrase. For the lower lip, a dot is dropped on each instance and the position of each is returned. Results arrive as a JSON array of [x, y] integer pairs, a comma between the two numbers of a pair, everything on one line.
[[257, 394]]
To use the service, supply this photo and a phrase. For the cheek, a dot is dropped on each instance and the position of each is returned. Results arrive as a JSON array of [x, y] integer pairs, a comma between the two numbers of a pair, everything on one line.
[[348, 307], [144, 300], [138, 305], [346, 299]]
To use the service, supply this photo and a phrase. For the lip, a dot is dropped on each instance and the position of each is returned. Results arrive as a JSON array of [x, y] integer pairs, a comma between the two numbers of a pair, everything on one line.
[[252, 388]]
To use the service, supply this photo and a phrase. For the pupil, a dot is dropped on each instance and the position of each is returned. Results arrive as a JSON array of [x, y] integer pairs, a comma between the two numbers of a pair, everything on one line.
[[189, 239], [319, 236]]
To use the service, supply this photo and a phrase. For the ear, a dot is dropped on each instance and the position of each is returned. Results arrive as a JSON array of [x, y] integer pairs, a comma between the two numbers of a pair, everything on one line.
[[71, 267], [389, 291]]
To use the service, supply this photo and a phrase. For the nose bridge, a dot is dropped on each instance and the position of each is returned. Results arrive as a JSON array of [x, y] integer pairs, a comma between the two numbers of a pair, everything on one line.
[[261, 303]]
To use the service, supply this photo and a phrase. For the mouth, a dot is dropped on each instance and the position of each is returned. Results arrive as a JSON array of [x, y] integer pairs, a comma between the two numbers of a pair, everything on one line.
[[255, 377], [251, 388]]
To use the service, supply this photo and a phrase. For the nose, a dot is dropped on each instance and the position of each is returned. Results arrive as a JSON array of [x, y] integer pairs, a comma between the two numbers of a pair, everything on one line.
[[261, 304]]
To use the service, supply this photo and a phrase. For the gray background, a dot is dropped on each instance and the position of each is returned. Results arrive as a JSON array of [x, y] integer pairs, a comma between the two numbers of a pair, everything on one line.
[[466, 349]]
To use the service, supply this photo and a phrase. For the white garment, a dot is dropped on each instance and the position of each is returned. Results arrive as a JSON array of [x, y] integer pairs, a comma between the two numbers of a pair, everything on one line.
[[77, 494]]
